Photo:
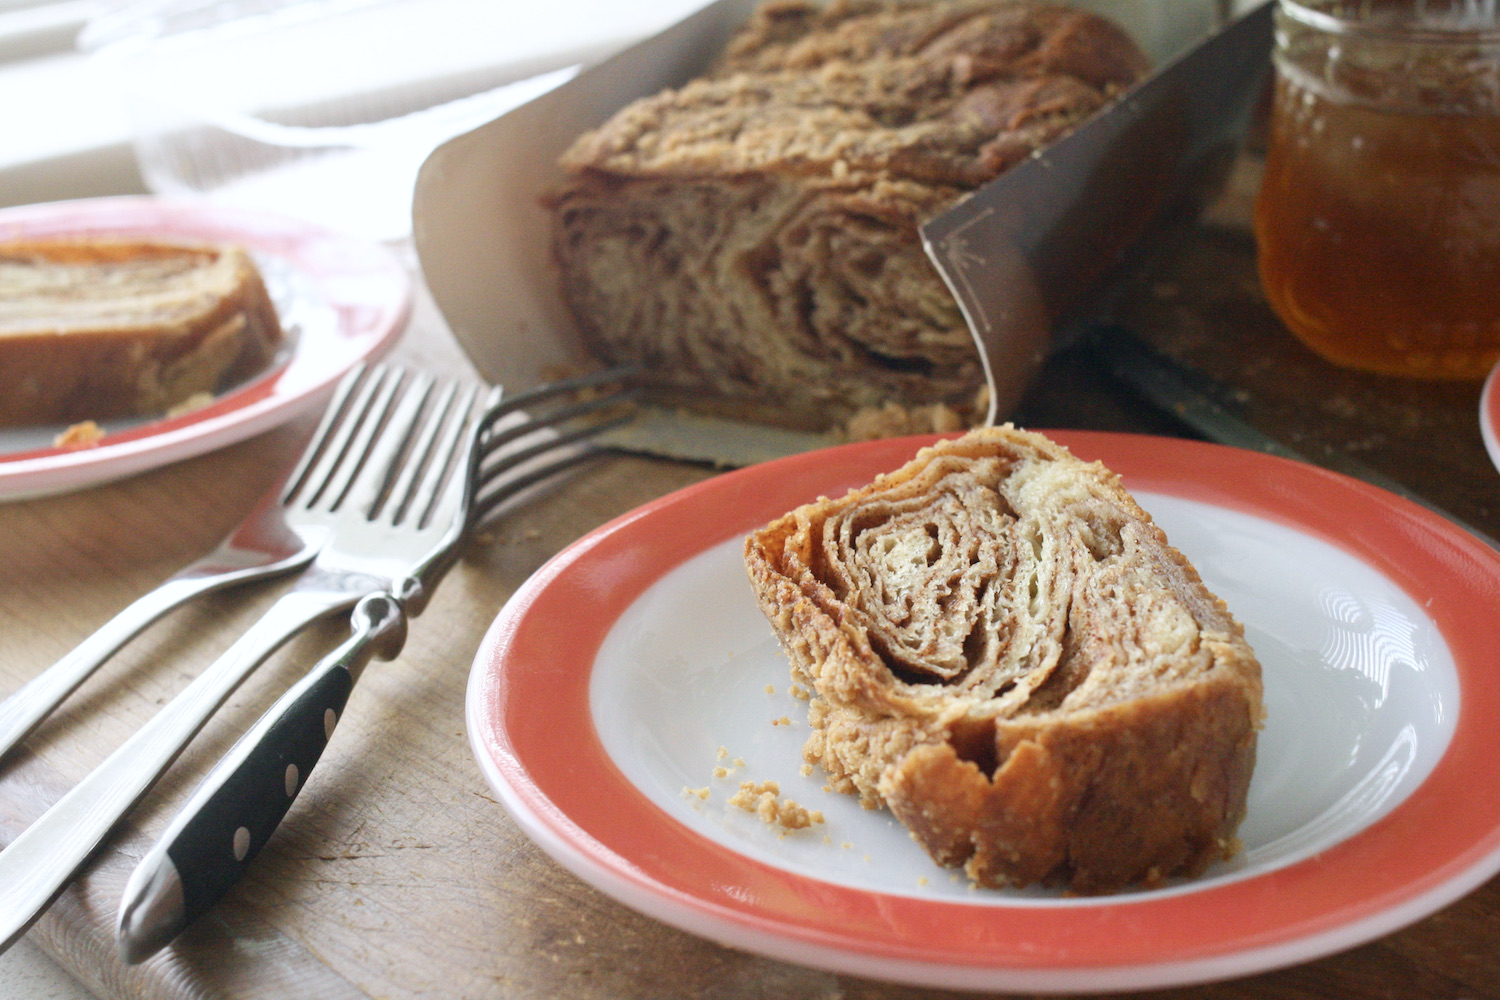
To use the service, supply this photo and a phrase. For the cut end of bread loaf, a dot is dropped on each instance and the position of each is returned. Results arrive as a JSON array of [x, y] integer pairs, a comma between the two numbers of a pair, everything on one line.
[[752, 237], [97, 328], [1007, 653]]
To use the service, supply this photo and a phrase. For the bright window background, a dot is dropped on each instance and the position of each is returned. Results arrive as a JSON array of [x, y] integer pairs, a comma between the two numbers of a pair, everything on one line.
[[66, 131]]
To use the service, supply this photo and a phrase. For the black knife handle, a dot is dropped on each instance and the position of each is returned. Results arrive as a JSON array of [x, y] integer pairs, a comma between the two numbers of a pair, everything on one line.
[[232, 814], [229, 827]]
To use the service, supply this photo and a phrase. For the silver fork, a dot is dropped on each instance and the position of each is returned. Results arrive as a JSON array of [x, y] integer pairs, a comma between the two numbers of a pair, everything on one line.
[[232, 813], [262, 546], [387, 489]]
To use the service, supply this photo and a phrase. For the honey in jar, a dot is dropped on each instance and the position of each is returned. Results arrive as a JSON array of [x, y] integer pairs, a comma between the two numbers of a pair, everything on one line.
[[1378, 222]]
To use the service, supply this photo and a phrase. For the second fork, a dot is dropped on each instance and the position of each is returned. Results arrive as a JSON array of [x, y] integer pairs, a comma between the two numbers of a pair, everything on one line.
[[392, 466], [232, 813]]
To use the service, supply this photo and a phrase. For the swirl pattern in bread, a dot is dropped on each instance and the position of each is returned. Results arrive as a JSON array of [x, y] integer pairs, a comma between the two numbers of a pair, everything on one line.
[[96, 327], [752, 236], [1004, 650]]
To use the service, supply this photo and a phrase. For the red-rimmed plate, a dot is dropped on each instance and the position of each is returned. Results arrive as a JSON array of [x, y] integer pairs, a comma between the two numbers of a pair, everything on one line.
[[603, 693], [341, 300]]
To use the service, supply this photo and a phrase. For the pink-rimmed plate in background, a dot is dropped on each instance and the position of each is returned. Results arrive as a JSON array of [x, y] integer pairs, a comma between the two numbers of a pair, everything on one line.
[[341, 299], [603, 692], [1489, 415]]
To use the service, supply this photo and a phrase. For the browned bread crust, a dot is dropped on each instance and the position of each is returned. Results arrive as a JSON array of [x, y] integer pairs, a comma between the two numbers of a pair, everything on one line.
[[92, 329], [753, 236], [1005, 651]]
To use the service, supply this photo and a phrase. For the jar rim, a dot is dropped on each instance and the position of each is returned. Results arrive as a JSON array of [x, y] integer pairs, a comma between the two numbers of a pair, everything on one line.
[[1431, 30]]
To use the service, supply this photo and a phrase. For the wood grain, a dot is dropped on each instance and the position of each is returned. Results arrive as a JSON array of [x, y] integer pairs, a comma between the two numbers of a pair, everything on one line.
[[397, 874]]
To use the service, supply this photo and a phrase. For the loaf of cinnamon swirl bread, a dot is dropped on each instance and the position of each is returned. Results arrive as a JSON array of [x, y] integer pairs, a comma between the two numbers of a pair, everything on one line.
[[1003, 649], [753, 236]]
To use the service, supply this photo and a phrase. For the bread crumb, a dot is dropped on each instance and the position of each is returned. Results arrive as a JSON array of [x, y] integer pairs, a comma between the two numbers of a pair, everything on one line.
[[723, 752], [196, 401], [921, 880], [799, 692], [764, 799], [739, 762], [80, 435], [770, 689], [807, 770], [701, 793], [783, 721], [721, 772]]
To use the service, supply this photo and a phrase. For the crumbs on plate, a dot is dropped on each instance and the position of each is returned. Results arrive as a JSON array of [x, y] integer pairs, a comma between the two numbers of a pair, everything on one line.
[[85, 434], [764, 799], [196, 401]]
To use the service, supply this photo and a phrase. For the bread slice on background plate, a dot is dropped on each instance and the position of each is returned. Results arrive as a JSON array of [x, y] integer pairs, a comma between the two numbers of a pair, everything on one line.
[[99, 328], [1003, 649]]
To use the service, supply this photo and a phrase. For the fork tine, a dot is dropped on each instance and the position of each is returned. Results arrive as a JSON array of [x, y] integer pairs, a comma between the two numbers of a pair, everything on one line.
[[429, 498], [551, 390], [338, 427], [381, 446], [341, 447], [556, 446], [317, 444], [515, 459], [400, 498], [487, 503], [499, 438]]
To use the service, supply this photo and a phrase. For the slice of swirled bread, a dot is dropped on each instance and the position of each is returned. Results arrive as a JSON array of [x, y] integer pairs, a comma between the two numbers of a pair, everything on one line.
[[1004, 650], [94, 328]]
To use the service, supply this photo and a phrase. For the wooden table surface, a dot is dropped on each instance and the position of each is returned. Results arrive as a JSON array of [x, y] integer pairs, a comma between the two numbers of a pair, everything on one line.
[[397, 874]]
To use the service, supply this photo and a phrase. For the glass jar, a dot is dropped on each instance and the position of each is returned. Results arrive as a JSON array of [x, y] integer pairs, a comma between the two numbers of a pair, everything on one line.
[[1378, 222]]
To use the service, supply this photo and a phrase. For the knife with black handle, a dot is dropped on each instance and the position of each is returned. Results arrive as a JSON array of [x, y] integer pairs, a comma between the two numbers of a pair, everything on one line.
[[239, 805]]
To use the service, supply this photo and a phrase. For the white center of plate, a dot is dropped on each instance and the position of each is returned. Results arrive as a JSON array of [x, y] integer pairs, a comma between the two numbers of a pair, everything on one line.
[[1361, 696]]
